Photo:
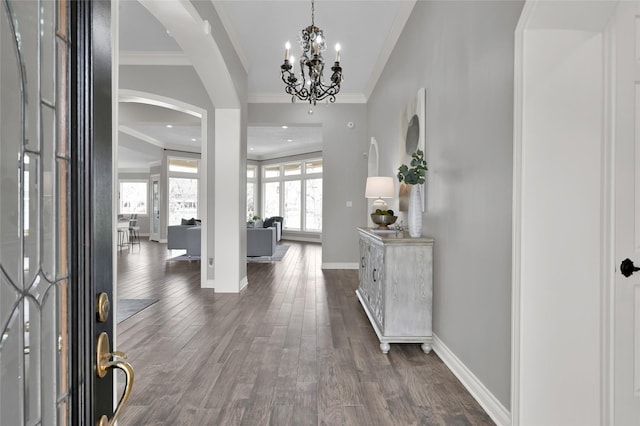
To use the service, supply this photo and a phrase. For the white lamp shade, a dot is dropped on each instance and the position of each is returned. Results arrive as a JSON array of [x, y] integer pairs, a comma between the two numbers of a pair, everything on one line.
[[379, 187]]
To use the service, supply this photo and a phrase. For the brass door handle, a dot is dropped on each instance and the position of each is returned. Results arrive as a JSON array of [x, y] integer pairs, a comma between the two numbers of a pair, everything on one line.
[[107, 360]]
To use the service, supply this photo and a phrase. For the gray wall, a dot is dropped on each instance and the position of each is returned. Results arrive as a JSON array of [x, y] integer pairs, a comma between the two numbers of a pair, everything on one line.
[[462, 53], [344, 169]]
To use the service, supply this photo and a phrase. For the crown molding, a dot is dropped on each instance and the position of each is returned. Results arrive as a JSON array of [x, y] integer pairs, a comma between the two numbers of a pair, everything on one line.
[[401, 18], [154, 58], [283, 98], [285, 153], [142, 136]]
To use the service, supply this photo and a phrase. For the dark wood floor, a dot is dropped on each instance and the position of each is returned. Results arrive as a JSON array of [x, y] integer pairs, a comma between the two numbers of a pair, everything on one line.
[[294, 348]]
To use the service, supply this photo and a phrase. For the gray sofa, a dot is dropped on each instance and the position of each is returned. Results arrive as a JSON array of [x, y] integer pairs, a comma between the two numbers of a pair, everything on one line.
[[193, 241], [261, 241], [184, 237]]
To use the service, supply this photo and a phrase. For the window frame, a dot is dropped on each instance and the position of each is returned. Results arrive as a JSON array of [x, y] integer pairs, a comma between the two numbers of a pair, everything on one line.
[[183, 175], [254, 182], [146, 198], [302, 177]]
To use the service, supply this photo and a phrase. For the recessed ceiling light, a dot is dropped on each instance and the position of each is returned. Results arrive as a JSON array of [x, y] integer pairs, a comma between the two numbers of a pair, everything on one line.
[[251, 149], [285, 127], [169, 126], [193, 139], [289, 140]]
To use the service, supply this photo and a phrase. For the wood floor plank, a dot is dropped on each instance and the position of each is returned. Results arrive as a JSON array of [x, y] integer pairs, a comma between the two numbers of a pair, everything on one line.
[[294, 348]]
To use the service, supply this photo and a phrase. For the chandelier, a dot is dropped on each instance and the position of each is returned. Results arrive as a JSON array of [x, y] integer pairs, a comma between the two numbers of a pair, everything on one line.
[[310, 85]]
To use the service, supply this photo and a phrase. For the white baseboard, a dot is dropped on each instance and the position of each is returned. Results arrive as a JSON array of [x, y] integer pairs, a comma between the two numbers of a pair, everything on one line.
[[306, 239], [498, 413], [243, 283], [329, 265]]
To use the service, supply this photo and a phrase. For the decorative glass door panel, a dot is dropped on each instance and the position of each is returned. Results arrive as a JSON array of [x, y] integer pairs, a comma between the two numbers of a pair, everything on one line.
[[34, 213]]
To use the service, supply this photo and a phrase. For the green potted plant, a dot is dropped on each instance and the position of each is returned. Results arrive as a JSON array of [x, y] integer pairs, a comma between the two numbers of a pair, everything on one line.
[[252, 221], [414, 176]]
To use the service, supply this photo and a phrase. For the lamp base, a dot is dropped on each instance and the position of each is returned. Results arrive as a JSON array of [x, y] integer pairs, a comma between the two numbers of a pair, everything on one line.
[[380, 204]]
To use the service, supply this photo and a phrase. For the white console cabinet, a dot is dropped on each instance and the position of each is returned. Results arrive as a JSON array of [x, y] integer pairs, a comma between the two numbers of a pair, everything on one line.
[[396, 287]]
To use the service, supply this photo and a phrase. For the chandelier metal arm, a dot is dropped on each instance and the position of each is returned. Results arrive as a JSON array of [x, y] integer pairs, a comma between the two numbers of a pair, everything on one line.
[[316, 90]]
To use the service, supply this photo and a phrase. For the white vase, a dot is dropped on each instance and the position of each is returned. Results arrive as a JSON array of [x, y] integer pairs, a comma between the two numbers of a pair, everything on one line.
[[415, 211]]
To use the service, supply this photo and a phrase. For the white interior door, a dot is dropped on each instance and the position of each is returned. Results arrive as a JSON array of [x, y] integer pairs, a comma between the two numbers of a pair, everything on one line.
[[626, 30]]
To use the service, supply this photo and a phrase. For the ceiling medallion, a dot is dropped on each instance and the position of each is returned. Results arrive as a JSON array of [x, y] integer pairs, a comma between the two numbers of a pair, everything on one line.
[[310, 85]]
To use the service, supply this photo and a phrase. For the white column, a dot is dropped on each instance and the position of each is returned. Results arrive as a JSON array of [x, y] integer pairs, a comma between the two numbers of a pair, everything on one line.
[[225, 276]]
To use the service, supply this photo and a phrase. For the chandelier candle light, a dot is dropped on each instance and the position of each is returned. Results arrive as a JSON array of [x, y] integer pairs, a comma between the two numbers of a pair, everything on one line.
[[310, 86]]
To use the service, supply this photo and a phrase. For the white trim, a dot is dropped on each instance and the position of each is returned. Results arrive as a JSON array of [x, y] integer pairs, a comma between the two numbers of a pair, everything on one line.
[[498, 413], [283, 98], [184, 23], [303, 238], [127, 95], [148, 98], [518, 96], [154, 58], [243, 283], [227, 23], [211, 284], [608, 269], [404, 12], [133, 170], [336, 265], [139, 135], [290, 153]]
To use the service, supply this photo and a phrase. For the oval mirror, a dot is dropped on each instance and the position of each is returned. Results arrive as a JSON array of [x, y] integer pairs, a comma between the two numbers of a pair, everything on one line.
[[413, 134]]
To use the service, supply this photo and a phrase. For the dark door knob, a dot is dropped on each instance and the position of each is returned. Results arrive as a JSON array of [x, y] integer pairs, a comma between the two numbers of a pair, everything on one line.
[[627, 268]]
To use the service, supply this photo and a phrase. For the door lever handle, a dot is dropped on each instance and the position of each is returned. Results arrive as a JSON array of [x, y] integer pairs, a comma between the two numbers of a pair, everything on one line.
[[628, 268], [107, 360]]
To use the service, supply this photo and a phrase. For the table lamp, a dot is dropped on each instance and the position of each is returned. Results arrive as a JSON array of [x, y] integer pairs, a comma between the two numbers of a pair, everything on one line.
[[379, 187]]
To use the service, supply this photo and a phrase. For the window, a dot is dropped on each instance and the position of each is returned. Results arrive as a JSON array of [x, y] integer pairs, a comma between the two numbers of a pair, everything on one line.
[[292, 169], [313, 166], [183, 189], [133, 197], [183, 199], [313, 204], [183, 165], [292, 204], [271, 199], [294, 191], [271, 171], [252, 183]]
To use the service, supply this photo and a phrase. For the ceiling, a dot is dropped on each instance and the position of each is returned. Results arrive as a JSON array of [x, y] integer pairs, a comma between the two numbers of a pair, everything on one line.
[[259, 30]]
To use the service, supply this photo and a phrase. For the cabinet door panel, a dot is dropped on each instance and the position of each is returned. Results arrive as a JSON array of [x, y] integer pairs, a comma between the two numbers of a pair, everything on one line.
[[409, 294], [377, 275]]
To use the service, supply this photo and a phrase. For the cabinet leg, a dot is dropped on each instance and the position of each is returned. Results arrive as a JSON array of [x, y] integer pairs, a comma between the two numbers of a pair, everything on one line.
[[426, 347], [384, 347]]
